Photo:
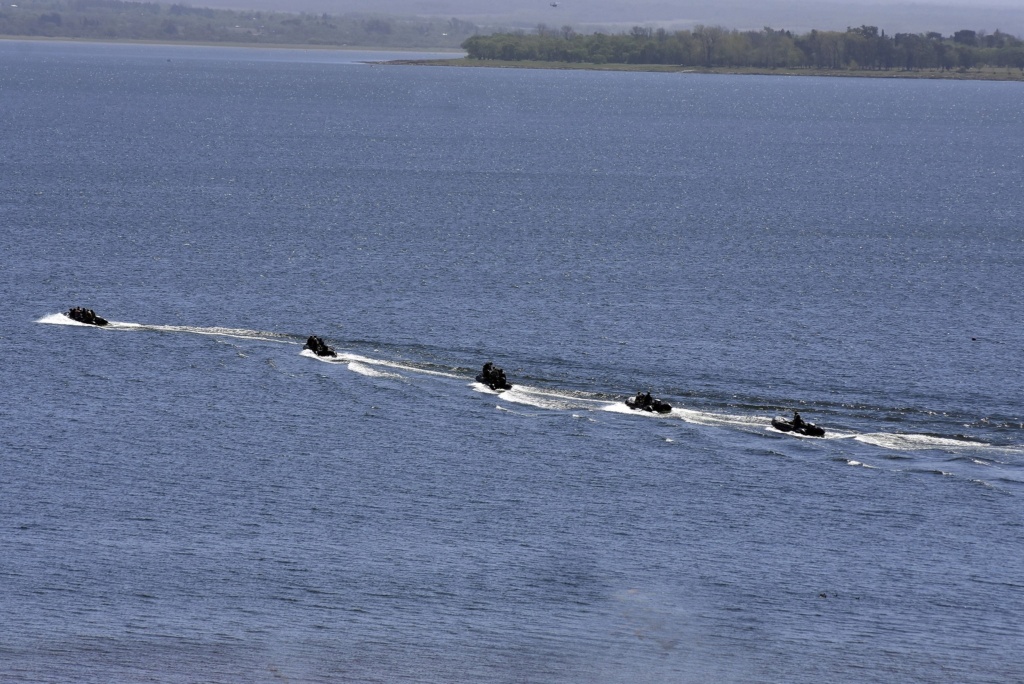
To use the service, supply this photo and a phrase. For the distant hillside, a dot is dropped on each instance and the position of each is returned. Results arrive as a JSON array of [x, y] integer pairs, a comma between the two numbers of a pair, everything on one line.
[[149, 21], [942, 16], [428, 28]]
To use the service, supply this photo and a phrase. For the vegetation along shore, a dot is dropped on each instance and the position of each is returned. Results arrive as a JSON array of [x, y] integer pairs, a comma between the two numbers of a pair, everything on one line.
[[862, 51]]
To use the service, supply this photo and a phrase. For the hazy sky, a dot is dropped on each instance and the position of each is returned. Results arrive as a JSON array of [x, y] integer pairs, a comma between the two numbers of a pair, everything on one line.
[[945, 16], [500, 7]]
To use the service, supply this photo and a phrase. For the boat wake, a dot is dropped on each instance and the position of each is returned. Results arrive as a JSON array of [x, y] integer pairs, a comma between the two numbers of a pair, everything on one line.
[[240, 333], [748, 423], [710, 419], [64, 319], [538, 398], [370, 371], [912, 442], [398, 366]]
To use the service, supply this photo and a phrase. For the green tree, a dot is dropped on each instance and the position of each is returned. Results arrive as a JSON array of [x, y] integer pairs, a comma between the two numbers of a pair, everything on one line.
[[709, 38]]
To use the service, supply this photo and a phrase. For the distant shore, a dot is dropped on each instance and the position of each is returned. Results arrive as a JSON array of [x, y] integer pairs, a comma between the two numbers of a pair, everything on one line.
[[985, 74], [240, 44], [976, 74]]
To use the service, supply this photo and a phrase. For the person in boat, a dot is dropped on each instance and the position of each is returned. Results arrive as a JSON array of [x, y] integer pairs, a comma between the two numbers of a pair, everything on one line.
[[487, 374], [493, 377], [83, 315], [643, 401], [319, 347], [798, 422]]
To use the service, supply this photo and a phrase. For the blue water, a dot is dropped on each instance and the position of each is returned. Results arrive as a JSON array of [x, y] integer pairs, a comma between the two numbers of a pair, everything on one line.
[[187, 496]]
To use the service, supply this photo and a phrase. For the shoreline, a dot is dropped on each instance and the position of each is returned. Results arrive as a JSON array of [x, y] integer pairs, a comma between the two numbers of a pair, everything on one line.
[[987, 74], [282, 46], [990, 74]]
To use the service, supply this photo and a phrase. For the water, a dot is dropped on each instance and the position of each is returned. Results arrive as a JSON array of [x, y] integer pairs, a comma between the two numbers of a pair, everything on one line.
[[187, 496]]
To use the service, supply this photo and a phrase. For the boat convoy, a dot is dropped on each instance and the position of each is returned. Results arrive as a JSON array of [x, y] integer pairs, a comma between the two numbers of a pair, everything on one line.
[[494, 378]]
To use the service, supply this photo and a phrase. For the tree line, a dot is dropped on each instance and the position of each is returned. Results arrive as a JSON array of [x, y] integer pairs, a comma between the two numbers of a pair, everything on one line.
[[864, 47], [123, 20]]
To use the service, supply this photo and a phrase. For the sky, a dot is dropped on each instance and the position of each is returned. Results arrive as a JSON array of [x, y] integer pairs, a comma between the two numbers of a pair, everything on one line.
[[892, 16]]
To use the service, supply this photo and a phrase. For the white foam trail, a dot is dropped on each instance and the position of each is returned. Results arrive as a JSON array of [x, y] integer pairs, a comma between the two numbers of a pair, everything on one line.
[[539, 398], [240, 333], [483, 389], [308, 353], [394, 364], [62, 319], [718, 419], [1017, 451], [356, 364], [370, 372], [911, 442], [522, 395], [829, 434], [561, 396], [756, 423], [620, 407]]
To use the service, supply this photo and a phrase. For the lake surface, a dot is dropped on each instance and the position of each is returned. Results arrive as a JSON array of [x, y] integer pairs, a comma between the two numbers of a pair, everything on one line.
[[186, 495]]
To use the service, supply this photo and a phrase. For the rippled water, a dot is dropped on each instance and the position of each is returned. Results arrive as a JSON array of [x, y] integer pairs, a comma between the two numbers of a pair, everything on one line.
[[186, 495]]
